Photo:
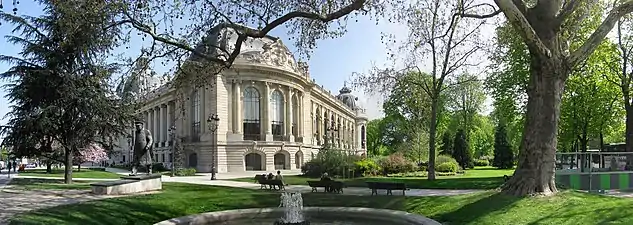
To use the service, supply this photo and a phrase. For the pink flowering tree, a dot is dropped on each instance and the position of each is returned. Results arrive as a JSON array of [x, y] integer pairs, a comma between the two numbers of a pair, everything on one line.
[[92, 153]]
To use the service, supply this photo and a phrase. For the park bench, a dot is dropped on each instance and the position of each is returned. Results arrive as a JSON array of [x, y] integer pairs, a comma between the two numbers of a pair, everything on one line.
[[334, 186], [259, 177], [389, 186], [270, 184]]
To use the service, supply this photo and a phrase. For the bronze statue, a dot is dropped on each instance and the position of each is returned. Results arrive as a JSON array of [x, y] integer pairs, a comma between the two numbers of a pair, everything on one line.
[[143, 150]]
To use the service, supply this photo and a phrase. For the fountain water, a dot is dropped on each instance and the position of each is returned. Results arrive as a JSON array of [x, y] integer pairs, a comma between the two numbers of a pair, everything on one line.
[[292, 204]]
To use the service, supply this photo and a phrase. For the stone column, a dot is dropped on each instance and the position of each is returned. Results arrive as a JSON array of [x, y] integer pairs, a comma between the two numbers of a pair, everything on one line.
[[168, 122], [300, 113], [267, 120], [289, 119], [148, 114], [155, 130], [238, 107]]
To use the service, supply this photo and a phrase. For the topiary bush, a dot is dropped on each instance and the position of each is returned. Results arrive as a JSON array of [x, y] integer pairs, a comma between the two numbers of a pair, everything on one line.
[[367, 167], [447, 167], [482, 162], [397, 163]]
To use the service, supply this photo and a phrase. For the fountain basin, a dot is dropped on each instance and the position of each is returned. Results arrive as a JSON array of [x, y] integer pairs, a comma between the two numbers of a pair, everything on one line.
[[315, 215]]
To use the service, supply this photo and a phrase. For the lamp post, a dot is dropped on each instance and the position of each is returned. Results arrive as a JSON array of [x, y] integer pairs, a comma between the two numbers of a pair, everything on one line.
[[172, 134], [129, 150], [213, 121]]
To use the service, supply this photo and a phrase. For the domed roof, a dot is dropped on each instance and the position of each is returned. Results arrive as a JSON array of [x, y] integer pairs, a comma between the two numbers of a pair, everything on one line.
[[140, 82], [346, 96], [266, 51]]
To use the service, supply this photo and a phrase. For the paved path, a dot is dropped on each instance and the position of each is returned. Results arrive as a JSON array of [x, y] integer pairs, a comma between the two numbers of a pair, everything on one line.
[[14, 202], [307, 189]]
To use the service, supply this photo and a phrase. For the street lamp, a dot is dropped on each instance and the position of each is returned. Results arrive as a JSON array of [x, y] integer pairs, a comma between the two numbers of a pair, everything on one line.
[[129, 151], [172, 134], [213, 121]]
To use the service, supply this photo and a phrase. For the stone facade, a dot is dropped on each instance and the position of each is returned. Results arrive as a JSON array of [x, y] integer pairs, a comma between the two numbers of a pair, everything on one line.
[[272, 115]]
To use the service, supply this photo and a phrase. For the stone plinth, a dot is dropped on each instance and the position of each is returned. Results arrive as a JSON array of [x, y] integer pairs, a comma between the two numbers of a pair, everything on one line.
[[129, 185]]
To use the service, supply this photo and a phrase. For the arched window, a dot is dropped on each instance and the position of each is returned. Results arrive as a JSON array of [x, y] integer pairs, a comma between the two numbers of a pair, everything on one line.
[[277, 115], [325, 128], [295, 115], [195, 115], [333, 128], [252, 128]]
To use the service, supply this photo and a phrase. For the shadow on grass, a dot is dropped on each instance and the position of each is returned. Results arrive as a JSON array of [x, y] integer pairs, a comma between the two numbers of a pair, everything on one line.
[[474, 207], [34, 183], [444, 183]]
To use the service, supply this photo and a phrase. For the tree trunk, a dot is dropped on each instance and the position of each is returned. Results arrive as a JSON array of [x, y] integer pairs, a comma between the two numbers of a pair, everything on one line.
[[629, 134], [49, 167], [537, 155], [68, 166], [432, 137]]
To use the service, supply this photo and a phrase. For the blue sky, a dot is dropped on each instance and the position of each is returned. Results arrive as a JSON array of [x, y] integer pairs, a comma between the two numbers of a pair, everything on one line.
[[331, 64]]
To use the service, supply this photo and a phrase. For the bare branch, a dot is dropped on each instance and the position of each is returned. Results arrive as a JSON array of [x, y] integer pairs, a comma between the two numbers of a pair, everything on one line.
[[519, 21], [567, 10], [598, 35]]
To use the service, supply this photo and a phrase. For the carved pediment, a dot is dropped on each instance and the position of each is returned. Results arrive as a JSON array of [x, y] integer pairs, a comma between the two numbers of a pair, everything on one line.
[[273, 54]]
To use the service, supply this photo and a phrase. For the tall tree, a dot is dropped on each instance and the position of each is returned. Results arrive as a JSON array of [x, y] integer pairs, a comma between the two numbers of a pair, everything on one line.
[[503, 155], [374, 136], [447, 144], [467, 99], [461, 152], [58, 87], [542, 26], [434, 33]]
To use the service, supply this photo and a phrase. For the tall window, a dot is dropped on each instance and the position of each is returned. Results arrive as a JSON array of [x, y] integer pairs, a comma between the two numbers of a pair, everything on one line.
[[277, 115], [317, 124], [195, 115], [362, 136], [252, 128], [325, 130], [295, 115]]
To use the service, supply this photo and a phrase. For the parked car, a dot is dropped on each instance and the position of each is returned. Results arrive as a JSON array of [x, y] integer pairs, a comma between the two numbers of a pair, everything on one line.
[[30, 165]]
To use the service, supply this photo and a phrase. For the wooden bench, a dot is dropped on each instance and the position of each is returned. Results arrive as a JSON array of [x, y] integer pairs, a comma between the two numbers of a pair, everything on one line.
[[259, 177], [270, 184], [389, 186], [334, 186]]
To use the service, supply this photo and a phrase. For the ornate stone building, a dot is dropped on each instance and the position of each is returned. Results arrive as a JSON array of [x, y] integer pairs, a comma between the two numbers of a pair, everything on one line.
[[273, 116]]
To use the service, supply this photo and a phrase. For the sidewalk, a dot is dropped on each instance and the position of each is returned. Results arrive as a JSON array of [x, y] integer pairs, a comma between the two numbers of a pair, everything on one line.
[[307, 189]]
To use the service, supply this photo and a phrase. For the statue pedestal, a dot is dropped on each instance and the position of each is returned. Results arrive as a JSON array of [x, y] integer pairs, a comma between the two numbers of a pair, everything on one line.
[[129, 185]]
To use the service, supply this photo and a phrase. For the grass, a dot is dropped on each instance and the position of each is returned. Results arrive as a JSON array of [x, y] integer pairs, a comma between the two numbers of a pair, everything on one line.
[[36, 184], [486, 208], [478, 178], [83, 173]]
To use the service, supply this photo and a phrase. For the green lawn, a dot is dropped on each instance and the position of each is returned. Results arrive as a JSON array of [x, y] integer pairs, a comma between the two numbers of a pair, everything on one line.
[[478, 178], [486, 208], [33, 184], [84, 173]]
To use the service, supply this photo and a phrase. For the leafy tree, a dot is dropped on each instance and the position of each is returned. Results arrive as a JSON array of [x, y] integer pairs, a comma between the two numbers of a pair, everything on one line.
[[375, 137], [503, 155], [447, 144], [461, 153], [59, 90], [467, 99]]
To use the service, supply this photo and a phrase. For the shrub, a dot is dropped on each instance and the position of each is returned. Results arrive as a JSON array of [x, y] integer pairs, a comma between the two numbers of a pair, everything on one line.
[[367, 167], [443, 159], [447, 167], [482, 162], [184, 172], [331, 161], [397, 163], [312, 168]]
